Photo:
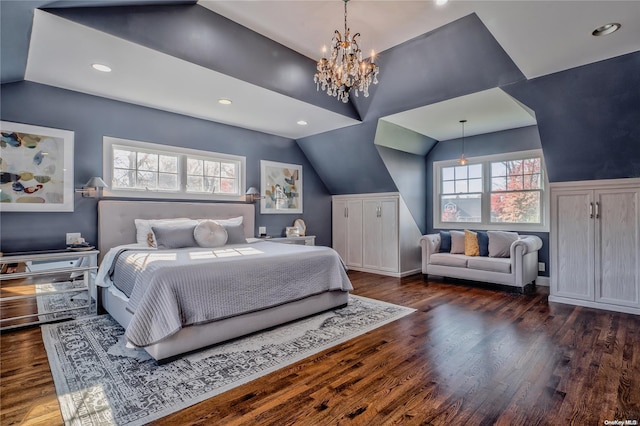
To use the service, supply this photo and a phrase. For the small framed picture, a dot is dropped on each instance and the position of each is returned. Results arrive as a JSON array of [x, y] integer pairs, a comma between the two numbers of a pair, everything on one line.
[[281, 187]]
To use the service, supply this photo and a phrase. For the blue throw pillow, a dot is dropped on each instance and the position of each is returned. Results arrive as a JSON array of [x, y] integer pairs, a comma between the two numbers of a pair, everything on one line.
[[483, 242], [445, 242]]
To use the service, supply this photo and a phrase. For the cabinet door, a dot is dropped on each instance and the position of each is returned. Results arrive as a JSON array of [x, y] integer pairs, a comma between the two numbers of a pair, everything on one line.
[[339, 228], [617, 262], [354, 233], [572, 244], [380, 234], [371, 237], [389, 244]]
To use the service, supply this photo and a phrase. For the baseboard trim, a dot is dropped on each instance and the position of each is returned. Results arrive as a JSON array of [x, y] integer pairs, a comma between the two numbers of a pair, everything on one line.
[[386, 273], [595, 305], [543, 281]]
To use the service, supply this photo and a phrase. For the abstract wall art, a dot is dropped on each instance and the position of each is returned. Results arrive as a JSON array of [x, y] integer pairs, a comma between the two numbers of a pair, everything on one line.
[[281, 187], [36, 168]]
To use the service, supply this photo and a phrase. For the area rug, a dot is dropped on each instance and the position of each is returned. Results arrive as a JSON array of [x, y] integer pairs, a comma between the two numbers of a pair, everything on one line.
[[100, 381], [62, 305]]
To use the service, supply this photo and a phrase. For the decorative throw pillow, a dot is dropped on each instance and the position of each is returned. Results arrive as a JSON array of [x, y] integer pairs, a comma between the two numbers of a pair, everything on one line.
[[483, 242], [144, 233], [457, 242], [210, 234], [445, 242], [235, 234], [177, 236], [471, 247], [500, 243]]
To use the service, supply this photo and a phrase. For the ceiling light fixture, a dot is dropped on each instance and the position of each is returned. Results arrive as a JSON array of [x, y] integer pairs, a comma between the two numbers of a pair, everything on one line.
[[463, 159], [224, 101], [606, 29], [441, 2], [345, 69], [302, 123], [101, 67]]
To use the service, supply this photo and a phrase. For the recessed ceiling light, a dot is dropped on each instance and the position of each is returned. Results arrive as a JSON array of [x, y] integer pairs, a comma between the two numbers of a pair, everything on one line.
[[441, 2], [302, 123], [224, 101], [101, 67], [606, 29]]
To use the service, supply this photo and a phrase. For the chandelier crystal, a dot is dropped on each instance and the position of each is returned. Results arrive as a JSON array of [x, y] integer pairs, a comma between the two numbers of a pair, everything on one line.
[[345, 69]]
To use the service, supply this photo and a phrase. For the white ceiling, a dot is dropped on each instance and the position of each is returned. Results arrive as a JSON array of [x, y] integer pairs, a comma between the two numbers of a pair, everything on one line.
[[541, 37], [487, 111], [61, 53]]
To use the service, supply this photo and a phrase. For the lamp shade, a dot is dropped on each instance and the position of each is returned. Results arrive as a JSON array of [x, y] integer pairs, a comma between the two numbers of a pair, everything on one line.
[[252, 191], [96, 182]]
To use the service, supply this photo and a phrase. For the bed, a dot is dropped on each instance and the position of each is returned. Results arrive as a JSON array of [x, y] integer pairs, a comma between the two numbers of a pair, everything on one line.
[[241, 267]]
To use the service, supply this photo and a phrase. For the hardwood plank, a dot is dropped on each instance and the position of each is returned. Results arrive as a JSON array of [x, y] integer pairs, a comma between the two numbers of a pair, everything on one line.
[[467, 355]]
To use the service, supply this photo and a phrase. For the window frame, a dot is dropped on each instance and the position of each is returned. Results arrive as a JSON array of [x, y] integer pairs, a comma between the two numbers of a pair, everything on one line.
[[181, 194], [485, 223]]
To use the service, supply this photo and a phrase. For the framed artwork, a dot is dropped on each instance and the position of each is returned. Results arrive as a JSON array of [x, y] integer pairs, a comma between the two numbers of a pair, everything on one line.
[[36, 169], [280, 187]]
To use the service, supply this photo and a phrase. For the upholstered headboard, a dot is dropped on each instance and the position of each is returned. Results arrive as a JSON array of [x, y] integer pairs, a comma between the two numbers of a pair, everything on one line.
[[116, 218]]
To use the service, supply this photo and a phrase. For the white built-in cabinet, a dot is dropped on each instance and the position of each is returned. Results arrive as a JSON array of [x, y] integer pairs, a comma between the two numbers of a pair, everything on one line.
[[595, 244], [376, 233]]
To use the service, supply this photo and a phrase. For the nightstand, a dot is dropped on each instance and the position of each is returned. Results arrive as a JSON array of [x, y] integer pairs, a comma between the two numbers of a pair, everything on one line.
[[307, 240], [45, 286]]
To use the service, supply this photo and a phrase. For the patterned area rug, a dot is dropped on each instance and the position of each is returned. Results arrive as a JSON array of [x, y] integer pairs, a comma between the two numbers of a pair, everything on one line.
[[100, 381], [73, 304]]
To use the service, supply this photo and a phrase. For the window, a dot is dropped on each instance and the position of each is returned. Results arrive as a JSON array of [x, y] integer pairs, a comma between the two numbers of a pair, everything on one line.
[[141, 169], [493, 192]]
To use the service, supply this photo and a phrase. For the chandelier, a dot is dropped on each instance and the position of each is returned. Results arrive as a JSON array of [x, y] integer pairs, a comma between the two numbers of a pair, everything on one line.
[[345, 69]]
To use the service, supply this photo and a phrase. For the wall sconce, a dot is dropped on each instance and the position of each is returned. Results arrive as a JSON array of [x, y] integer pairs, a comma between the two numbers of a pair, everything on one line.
[[252, 195], [92, 188]]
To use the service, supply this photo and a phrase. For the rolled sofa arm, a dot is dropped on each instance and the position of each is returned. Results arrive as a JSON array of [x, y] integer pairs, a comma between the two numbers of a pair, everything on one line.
[[430, 244], [527, 243]]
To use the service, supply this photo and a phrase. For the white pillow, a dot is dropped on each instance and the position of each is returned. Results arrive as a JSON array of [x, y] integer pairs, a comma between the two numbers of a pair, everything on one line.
[[234, 221], [144, 233], [500, 243], [210, 234], [457, 242]]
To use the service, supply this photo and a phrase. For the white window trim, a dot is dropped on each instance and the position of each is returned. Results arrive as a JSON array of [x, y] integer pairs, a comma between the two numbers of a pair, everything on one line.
[[107, 169], [485, 224]]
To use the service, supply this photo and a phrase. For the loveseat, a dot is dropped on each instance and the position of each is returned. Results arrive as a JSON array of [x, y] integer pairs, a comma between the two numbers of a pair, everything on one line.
[[519, 269]]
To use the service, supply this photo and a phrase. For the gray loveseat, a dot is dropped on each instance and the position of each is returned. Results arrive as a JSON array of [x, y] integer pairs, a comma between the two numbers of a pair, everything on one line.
[[519, 270]]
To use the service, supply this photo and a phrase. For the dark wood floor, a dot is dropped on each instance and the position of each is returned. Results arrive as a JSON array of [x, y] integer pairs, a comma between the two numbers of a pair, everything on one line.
[[467, 356]]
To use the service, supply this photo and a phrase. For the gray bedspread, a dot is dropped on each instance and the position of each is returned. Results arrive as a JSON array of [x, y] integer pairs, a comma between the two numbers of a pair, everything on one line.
[[169, 289]]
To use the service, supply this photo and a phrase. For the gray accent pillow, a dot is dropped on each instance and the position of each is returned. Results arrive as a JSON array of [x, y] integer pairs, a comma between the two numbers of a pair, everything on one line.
[[210, 234], [235, 234], [174, 236], [457, 242], [500, 243]]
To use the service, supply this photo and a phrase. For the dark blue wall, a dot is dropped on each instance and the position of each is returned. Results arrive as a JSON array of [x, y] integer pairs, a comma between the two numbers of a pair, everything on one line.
[[408, 172], [92, 117], [588, 118], [460, 58], [522, 139]]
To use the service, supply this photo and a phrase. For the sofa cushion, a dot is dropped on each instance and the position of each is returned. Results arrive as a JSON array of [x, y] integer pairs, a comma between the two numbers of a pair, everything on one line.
[[471, 243], [500, 243], [457, 242], [445, 242], [483, 242], [491, 264], [446, 259]]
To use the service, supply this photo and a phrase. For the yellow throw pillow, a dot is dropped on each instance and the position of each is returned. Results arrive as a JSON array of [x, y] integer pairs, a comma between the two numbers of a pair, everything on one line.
[[471, 247]]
